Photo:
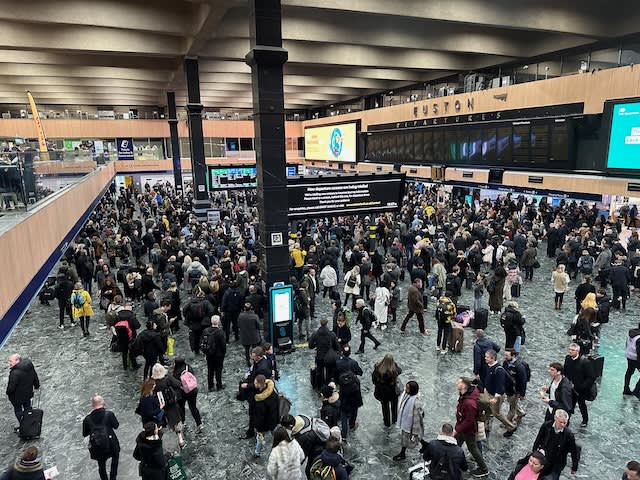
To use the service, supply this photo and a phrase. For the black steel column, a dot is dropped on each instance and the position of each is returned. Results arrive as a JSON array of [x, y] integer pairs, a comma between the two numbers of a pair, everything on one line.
[[175, 141], [266, 60], [201, 201]]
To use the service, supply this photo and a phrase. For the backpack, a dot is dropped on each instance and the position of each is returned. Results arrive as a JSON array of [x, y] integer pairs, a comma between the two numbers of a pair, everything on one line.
[[450, 285], [298, 303], [188, 381], [347, 316], [509, 382], [284, 405], [169, 395], [527, 369], [77, 300], [320, 471], [443, 469], [100, 441], [123, 324], [204, 343], [348, 382], [319, 427]]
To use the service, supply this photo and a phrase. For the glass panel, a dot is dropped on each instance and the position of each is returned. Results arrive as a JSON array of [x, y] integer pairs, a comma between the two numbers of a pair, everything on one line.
[[602, 59], [548, 69], [475, 145], [428, 146], [450, 145], [630, 54], [489, 146], [233, 145], [408, 147], [504, 145], [217, 147], [246, 144], [575, 64], [559, 142], [463, 145], [418, 146], [539, 143], [521, 143], [438, 146], [525, 73], [185, 148]]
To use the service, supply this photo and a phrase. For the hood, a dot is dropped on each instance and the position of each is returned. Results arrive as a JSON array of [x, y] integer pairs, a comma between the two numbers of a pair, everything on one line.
[[330, 458], [297, 426], [634, 332], [333, 398], [266, 393], [24, 364], [447, 439], [473, 393], [146, 444]]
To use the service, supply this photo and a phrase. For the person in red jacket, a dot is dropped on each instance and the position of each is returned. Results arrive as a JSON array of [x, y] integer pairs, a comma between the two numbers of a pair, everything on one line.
[[466, 423]]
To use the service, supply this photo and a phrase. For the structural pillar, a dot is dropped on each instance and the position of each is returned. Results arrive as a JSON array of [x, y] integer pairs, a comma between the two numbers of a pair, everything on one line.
[[201, 202], [175, 142], [266, 59]]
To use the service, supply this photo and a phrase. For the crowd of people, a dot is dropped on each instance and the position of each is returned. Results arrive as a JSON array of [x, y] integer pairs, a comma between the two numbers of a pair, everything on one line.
[[143, 268]]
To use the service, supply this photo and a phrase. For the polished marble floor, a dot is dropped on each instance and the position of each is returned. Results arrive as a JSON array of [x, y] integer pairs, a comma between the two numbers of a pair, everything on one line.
[[73, 368]]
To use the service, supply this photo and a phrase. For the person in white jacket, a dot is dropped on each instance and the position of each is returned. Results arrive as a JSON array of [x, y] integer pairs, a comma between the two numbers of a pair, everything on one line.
[[286, 457], [329, 279], [381, 306]]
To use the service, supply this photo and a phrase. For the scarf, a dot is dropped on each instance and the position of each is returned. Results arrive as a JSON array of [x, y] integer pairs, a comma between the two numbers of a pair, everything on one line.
[[406, 412]]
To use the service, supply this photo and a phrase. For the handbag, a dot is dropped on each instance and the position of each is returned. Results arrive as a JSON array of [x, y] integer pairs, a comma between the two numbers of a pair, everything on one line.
[[175, 468], [536, 264]]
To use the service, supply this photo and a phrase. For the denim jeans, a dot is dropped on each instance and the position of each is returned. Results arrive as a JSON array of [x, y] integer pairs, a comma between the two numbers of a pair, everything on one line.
[[517, 344], [260, 443]]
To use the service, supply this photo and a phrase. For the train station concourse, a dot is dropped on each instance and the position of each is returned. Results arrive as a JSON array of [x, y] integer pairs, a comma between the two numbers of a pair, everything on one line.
[[289, 239]]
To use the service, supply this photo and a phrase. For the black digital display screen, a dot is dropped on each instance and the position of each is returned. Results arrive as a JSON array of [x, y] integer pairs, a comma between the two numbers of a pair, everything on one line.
[[539, 143], [559, 141], [503, 145], [438, 146], [521, 143], [231, 178], [428, 146], [418, 146], [475, 145], [344, 195]]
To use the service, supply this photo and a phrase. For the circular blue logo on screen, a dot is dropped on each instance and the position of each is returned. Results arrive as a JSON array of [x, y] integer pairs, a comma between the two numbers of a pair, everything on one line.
[[336, 142]]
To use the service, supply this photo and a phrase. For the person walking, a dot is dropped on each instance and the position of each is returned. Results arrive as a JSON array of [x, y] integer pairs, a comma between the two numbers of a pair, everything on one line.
[[512, 321], [385, 377], [326, 344], [64, 287], [187, 377], [197, 313], [171, 390], [366, 318], [495, 287], [559, 394], [329, 279], [446, 457], [410, 419], [556, 441], [632, 350], [381, 305], [27, 466], [578, 370], [215, 348], [265, 411], [560, 282], [495, 387], [23, 380], [149, 407], [81, 307], [149, 452], [99, 426], [528, 261], [466, 429], [517, 389], [352, 283], [148, 344], [415, 306], [286, 457]]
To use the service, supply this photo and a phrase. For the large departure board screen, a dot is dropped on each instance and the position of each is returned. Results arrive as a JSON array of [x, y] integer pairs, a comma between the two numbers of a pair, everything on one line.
[[344, 195], [230, 178], [539, 143], [624, 137], [333, 143]]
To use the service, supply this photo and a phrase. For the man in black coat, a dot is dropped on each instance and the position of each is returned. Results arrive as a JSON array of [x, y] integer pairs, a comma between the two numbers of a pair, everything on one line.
[[578, 370], [620, 276], [347, 372], [365, 318], [99, 426], [64, 287], [560, 392], [324, 341], [445, 448], [266, 413], [261, 366], [215, 352], [555, 441], [23, 379], [249, 330]]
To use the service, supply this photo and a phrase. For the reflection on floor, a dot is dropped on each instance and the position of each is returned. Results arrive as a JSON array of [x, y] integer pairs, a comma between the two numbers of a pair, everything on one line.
[[73, 368]]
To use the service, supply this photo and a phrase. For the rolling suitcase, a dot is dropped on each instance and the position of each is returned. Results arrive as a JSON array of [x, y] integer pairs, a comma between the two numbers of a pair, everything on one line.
[[597, 365], [419, 471], [481, 319], [313, 378], [515, 290], [455, 342], [31, 425]]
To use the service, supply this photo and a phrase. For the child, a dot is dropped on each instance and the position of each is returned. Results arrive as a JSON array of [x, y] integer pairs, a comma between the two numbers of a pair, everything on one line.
[[478, 292]]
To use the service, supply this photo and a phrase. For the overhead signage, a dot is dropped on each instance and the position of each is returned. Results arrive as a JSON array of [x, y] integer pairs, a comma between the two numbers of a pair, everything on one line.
[[125, 148], [344, 195], [231, 178], [624, 138], [331, 143]]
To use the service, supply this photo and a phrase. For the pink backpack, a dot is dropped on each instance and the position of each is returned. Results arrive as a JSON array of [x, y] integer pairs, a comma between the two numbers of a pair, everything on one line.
[[188, 381]]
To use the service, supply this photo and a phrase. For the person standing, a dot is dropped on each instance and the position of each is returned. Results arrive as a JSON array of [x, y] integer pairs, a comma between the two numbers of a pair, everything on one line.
[[324, 341], [99, 426], [517, 389], [556, 441], [249, 330], [383, 298], [23, 379], [633, 363], [347, 372], [446, 457], [466, 429], [366, 319], [352, 283], [495, 387], [445, 315], [560, 281], [150, 454], [329, 279], [411, 415], [512, 321], [215, 351], [149, 345], [415, 306], [578, 370], [265, 411], [64, 287], [286, 457], [559, 395], [384, 377], [528, 260], [197, 313], [81, 307]]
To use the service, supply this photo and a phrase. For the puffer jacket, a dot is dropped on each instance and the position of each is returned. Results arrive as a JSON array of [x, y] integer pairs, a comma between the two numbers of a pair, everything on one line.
[[85, 310], [285, 460]]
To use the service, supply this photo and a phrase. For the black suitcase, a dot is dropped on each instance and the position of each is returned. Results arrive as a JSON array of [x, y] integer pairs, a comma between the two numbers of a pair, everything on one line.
[[597, 365], [515, 290], [313, 378], [481, 319], [31, 424]]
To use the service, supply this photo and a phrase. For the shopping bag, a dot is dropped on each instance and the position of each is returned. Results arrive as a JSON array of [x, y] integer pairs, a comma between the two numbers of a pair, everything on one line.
[[170, 342], [176, 469]]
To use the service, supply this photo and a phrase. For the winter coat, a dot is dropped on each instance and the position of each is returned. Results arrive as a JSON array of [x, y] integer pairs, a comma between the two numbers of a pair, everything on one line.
[[328, 276], [467, 412], [529, 257], [512, 321], [98, 418], [85, 310], [414, 300], [172, 413], [266, 413], [560, 281], [481, 346], [285, 460], [445, 445], [330, 410], [355, 290], [337, 462], [249, 328], [557, 446], [385, 385], [153, 463], [543, 475], [149, 343], [496, 297], [21, 472], [323, 340], [22, 380]]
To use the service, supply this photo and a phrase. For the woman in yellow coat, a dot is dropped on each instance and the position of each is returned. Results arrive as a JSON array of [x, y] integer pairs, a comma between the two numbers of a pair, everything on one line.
[[81, 307]]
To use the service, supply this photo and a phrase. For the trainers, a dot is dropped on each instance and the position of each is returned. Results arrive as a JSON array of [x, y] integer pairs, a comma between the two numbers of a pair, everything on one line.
[[437, 348], [73, 324], [199, 428], [442, 352], [508, 433], [479, 473], [584, 424], [61, 327]]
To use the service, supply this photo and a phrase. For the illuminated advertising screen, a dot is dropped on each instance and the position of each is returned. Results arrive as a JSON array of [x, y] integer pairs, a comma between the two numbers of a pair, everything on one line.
[[333, 143], [624, 138], [344, 195], [231, 178]]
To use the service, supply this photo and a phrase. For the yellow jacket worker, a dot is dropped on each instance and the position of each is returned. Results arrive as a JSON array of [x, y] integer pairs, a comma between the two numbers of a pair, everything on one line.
[[81, 307], [297, 256]]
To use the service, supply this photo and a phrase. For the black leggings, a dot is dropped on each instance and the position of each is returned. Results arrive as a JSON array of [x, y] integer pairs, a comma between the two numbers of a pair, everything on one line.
[[84, 323], [191, 398], [390, 411], [559, 297], [64, 308], [632, 366]]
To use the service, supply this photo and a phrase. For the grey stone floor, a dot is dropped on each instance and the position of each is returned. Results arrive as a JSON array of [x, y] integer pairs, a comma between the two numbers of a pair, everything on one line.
[[73, 368]]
